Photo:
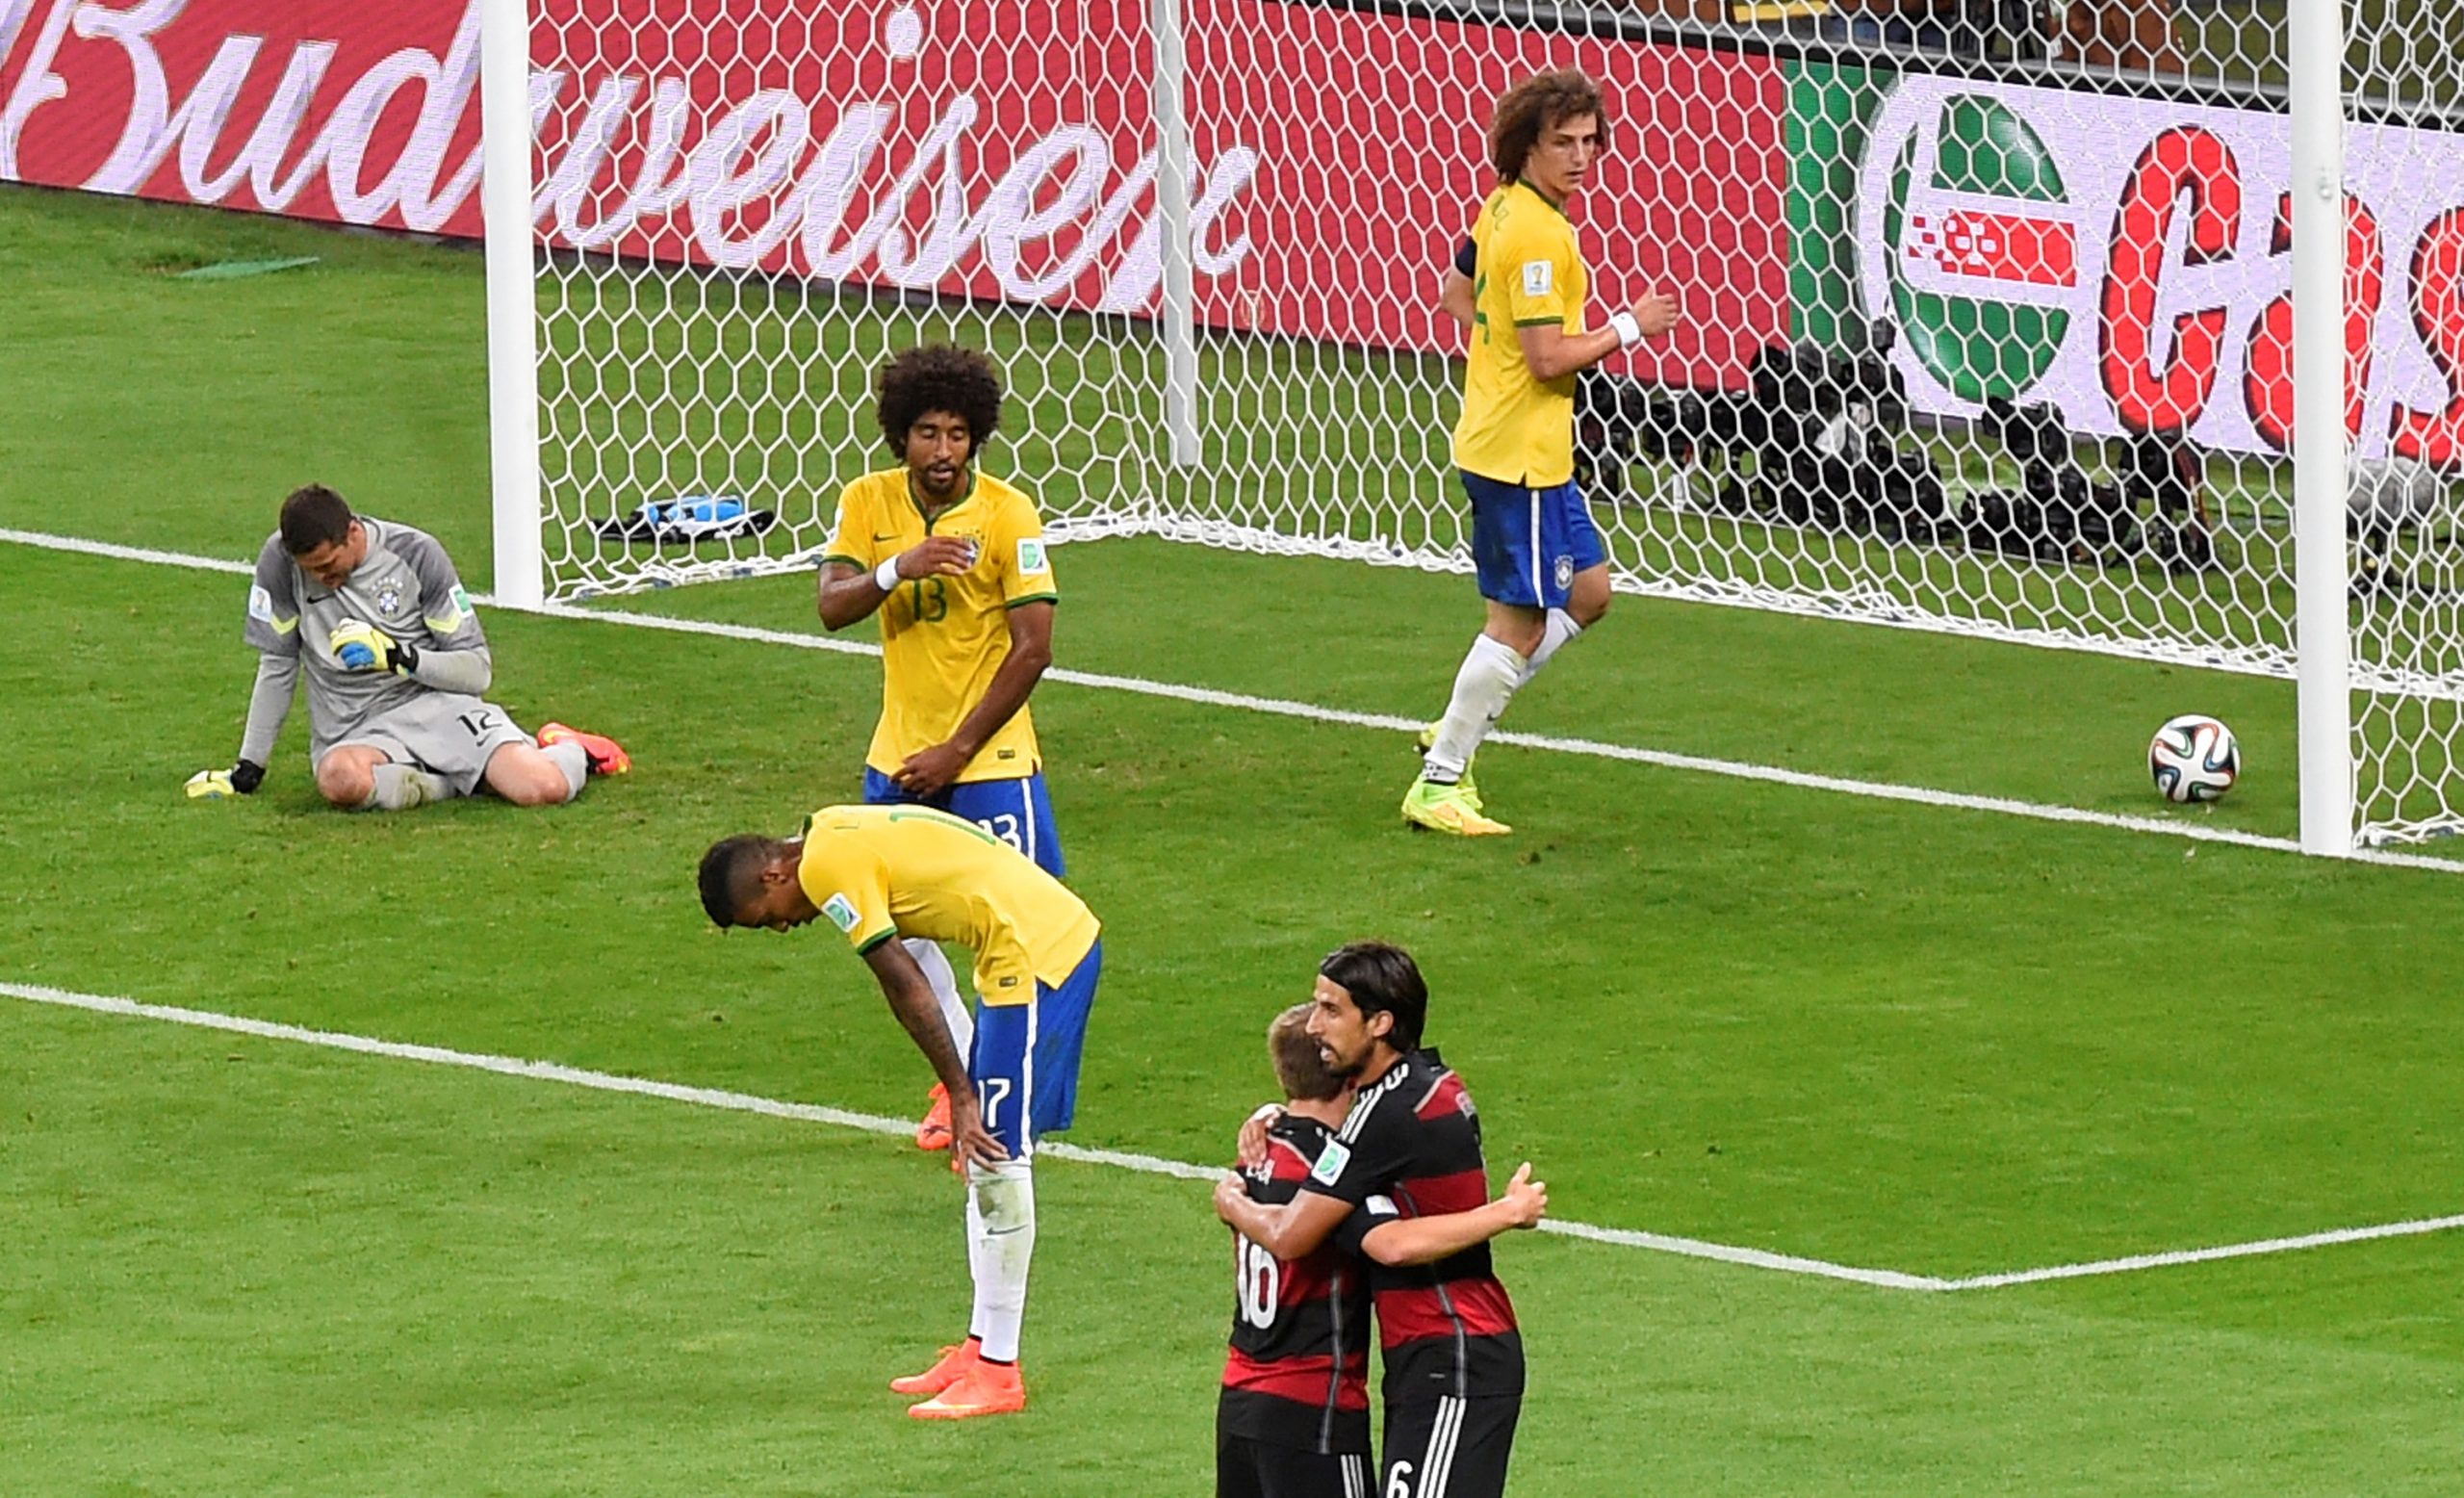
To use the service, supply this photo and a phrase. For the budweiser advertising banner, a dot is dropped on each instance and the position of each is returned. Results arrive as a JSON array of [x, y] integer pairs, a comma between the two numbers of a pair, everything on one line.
[[1001, 149], [2130, 259]]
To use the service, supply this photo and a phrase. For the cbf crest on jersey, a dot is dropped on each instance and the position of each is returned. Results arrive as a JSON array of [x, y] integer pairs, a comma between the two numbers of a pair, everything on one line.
[[389, 598]]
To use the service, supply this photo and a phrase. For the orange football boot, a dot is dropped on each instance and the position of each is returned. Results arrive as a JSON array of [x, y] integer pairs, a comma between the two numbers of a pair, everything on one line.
[[934, 1133], [607, 756], [984, 1389], [953, 1365]]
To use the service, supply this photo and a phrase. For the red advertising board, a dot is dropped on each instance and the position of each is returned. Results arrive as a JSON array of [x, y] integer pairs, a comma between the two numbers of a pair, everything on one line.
[[996, 148]]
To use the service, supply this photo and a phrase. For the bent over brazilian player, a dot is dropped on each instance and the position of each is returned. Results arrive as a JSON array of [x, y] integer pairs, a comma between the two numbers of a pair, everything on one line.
[[880, 872]]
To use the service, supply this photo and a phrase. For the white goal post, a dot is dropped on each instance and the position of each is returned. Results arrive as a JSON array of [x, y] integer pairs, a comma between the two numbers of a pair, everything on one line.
[[2076, 339]]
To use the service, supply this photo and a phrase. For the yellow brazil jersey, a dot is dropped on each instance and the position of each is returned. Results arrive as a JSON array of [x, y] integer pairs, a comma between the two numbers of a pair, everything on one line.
[[943, 638], [1527, 272], [876, 871]]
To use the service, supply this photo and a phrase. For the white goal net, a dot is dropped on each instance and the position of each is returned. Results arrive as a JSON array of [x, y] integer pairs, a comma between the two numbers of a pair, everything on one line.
[[1986, 320]]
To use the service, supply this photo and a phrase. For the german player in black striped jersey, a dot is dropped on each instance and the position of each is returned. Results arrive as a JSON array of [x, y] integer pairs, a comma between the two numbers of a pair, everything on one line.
[[1292, 1421], [1403, 1182]]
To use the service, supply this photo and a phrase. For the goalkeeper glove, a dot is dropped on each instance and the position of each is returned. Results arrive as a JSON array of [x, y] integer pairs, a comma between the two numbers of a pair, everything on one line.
[[363, 647], [241, 779]]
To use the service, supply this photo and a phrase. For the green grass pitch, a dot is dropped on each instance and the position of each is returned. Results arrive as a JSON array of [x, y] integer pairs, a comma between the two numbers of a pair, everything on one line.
[[1881, 1034]]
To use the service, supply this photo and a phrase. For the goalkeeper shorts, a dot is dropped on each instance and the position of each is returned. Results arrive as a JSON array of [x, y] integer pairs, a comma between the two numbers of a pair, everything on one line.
[[449, 735]]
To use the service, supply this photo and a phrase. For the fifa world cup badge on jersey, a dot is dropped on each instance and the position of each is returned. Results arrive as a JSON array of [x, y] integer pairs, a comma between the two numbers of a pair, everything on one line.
[[1030, 555], [841, 912], [1538, 275], [259, 605], [1331, 1161]]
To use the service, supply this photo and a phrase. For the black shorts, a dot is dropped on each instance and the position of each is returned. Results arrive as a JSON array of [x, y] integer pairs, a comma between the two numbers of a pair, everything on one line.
[[1448, 1448], [1245, 1468]]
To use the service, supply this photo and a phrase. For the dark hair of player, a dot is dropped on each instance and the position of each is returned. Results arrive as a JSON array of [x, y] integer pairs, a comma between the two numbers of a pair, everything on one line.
[[1535, 105], [314, 516], [1298, 1064], [729, 870], [939, 378], [1382, 979]]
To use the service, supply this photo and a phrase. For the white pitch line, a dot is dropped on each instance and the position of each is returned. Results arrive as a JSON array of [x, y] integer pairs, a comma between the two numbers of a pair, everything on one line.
[[82, 547], [871, 1123], [1153, 1165], [1751, 1259], [1277, 706], [2140, 1261]]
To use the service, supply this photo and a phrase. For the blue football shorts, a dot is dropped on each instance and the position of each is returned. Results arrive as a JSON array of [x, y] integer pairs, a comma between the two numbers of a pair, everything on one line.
[[1017, 811], [1529, 544], [1025, 1065]]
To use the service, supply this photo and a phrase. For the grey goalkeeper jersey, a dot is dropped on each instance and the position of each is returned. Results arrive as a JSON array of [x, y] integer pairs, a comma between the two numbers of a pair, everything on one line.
[[406, 587]]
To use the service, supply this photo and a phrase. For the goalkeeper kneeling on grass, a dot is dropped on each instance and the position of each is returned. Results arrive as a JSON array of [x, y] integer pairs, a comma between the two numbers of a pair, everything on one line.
[[396, 664]]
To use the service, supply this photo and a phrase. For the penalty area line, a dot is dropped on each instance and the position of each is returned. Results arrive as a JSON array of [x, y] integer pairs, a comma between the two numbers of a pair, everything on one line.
[[2137, 1262], [1153, 1164], [842, 1118], [1277, 706]]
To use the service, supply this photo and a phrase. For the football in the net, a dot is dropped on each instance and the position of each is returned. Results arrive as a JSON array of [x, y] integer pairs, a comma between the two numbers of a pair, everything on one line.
[[2194, 758]]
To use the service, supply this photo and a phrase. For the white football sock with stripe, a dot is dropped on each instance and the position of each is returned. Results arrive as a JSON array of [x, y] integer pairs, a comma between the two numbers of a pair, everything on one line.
[[1492, 670], [1560, 630], [1000, 1243], [937, 971]]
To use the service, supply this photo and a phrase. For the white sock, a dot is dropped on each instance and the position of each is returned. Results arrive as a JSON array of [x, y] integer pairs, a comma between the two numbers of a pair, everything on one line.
[[399, 788], [1491, 672], [1561, 627], [1001, 1241], [571, 758], [979, 1258], [955, 1014]]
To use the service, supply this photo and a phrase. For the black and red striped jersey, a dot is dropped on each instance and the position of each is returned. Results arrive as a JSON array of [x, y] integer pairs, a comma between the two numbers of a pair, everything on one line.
[[1411, 1147], [1297, 1375]]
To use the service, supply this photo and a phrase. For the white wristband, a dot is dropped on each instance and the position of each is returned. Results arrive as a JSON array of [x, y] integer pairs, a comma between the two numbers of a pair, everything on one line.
[[1630, 332], [885, 575]]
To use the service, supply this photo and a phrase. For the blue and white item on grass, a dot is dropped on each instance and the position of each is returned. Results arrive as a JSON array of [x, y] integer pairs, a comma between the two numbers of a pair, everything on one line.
[[2194, 758], [687, 519]]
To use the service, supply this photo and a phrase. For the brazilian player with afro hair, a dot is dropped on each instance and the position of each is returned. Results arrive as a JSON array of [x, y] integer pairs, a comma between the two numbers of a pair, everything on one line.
[[939, 378]]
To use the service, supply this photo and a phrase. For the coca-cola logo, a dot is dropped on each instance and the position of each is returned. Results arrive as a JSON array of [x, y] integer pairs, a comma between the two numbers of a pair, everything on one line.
[[919, 175], [2132, 260]]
